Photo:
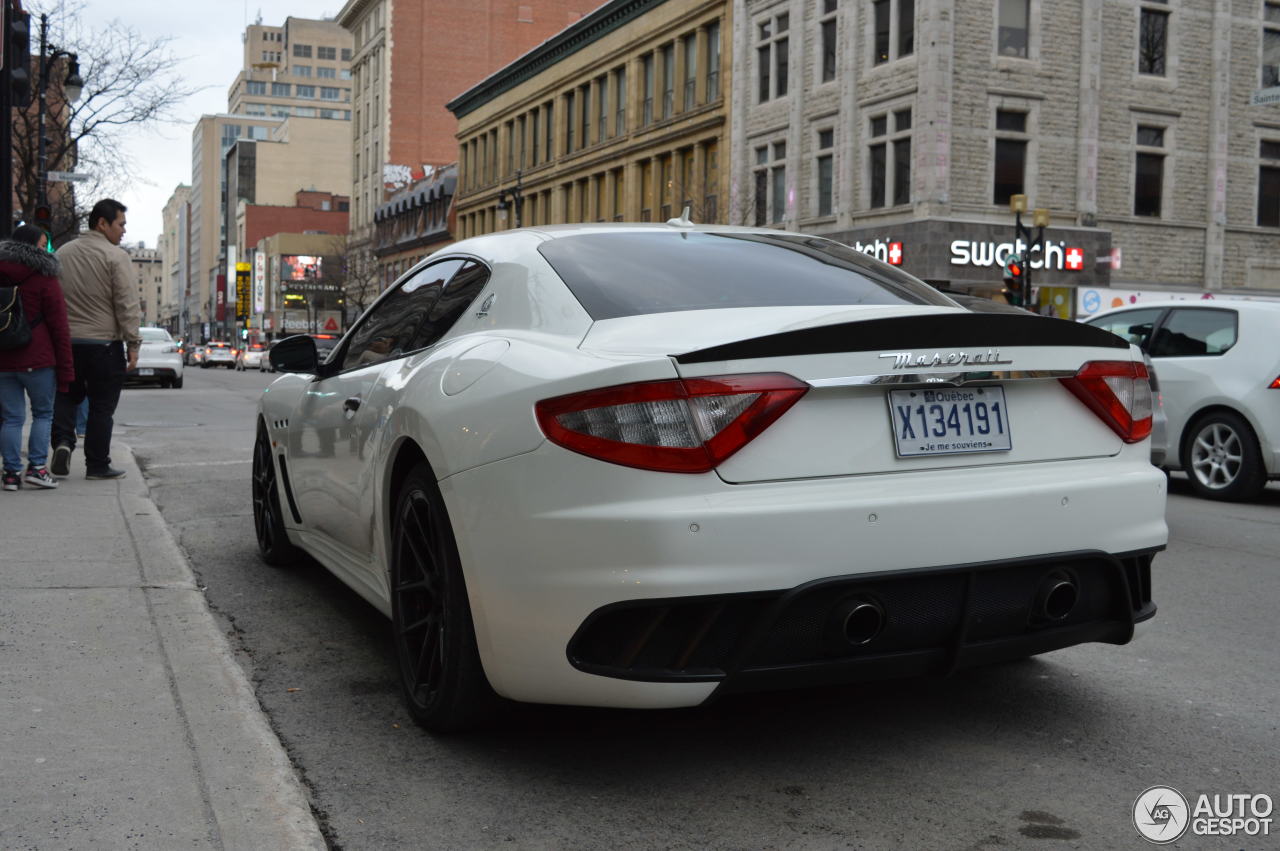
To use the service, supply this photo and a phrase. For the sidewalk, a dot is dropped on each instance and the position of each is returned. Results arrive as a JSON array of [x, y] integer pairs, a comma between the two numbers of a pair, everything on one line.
[[125, 720]]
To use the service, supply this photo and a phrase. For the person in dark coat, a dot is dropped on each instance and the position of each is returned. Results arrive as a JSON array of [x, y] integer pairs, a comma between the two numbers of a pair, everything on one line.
[[39, 368]]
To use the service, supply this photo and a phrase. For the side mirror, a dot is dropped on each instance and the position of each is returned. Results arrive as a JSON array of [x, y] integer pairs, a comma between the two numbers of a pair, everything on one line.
[[295, 354]]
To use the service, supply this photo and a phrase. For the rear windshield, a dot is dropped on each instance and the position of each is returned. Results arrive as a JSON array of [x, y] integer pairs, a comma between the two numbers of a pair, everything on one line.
[[629, 274], [153, 335]]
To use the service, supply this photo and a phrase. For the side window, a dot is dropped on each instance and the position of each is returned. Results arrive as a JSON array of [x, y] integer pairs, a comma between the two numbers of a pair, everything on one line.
[[460, 292], [1133, 326], [390, 328], [1195, 331]]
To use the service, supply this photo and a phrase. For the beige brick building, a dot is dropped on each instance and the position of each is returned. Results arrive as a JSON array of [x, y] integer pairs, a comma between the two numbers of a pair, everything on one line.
[[301, 69], [902, 127], [622, 116], [175, 256]]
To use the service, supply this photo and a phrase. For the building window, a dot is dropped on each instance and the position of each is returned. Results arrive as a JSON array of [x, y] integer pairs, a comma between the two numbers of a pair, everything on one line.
[[1148, 175], [772, 57], [511, 147], [301, 70], [668, 80], [711, 183], [521, 132], [1014, 28], [646, 70], [602, 107], [893, 28], [620, 88], [827, 35], [1011, 155], [771, 184], [306, 91], [1270, 45], [302, 51], [255, 87], [713, 61], [646, 191], [326, 52], [889, 159], [1269, 185], [328, 93], [534, 136], [346, 54], [255, 109], [665, 188], [550, 124], [586, 115], [690, 72], [1153, 39], [326, 72], [825, 162], [281, 90], [568, 122]]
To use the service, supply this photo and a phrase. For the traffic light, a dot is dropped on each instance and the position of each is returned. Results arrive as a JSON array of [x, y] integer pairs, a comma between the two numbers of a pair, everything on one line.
[[43, 218], [17, 56], [1015, 279]]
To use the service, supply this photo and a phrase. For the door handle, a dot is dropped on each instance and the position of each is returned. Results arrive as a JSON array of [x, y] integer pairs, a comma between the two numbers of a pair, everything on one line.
[[352, 404]]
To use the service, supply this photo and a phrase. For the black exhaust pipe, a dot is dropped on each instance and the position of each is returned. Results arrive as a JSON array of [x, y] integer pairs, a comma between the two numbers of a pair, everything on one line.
[[1056, 597], [858, 620]]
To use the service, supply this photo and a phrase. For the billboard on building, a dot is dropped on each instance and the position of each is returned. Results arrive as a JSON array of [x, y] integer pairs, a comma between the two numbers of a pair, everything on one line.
[[299, 267]]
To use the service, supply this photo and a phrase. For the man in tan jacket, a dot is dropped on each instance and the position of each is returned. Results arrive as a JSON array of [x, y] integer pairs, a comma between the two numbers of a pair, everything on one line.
[[102, 310]]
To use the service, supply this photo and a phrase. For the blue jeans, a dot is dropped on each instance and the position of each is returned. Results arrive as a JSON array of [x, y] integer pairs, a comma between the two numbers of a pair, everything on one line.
[[38, 385]]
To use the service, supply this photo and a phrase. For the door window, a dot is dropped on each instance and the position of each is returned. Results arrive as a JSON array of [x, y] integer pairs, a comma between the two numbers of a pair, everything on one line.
[[1134, 326], [390, 328], [1191, 332]]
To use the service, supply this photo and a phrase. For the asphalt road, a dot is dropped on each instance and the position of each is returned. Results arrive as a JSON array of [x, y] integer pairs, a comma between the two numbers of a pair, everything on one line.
[[1047, 753]]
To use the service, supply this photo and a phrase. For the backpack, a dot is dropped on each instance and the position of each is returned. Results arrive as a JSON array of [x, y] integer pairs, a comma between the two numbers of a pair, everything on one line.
[[15, 329]]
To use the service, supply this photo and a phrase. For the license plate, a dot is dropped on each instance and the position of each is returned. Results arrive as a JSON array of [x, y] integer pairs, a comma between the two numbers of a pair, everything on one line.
[[146, 372], [950, 420]]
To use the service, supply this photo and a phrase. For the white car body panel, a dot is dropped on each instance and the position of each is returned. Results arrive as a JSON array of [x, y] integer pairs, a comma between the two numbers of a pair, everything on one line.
[[547, 536], [161, 356]]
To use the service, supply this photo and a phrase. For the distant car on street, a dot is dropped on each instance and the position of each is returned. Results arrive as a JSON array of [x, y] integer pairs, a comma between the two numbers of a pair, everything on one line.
[[159, 361], [1219, 372], [218, 353], [249, 356], [642, 465]]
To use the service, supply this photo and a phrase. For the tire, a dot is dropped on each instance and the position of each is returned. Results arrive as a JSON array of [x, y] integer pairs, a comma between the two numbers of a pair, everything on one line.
[[441, 677], [204, 365], [268, 520], [1222, 458], [176, 384]]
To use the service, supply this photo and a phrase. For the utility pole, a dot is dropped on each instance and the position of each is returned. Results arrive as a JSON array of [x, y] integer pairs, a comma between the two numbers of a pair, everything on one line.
[[1021, 233]]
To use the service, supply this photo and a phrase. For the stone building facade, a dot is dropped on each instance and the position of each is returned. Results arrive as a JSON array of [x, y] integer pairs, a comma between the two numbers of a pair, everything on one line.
[[301, 69], [620, 117], [902, 126]]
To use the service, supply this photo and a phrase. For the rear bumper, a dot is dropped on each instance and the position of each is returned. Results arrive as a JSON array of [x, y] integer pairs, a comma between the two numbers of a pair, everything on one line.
[[541, 561], [158, 372]]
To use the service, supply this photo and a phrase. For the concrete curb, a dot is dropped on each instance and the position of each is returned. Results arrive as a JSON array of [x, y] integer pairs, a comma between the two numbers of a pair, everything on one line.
[[250, 788]]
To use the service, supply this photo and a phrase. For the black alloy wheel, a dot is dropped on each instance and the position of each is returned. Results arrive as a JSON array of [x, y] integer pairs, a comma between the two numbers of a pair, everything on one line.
[[441, 676], [268, 520], [1222, 458]]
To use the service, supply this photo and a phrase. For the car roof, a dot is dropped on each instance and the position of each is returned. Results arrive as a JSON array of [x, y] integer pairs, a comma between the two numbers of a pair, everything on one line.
[[1224, 303]]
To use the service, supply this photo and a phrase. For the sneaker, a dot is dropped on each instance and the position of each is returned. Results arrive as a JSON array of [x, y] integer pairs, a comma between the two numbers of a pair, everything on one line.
[[61, 465], [108, 473], [11, 481], [39, 476]]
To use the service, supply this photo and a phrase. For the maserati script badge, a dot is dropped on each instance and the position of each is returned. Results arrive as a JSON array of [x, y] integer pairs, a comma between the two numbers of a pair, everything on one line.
[[910, 360]]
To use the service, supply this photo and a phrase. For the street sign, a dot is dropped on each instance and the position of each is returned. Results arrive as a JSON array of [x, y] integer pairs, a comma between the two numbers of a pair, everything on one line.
[[1262, 97], [69, 176]]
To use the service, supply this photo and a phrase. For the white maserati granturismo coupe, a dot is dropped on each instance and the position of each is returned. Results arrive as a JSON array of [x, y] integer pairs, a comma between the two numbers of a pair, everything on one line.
[[645, 465]]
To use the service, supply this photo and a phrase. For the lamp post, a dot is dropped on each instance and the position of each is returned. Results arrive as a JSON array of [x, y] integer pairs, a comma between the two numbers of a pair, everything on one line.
[[516, 195], [71, 89]]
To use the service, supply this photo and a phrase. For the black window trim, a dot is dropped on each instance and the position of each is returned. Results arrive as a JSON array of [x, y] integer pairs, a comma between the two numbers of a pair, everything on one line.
[[340, 351]]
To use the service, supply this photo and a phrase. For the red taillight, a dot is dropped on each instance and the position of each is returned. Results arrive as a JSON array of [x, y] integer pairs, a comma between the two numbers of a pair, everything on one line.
[[1119, 392], [678, 426], [1275, 385]]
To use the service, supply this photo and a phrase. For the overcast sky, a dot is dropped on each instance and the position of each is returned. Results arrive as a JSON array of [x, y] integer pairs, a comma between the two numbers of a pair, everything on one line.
[[207, 40]]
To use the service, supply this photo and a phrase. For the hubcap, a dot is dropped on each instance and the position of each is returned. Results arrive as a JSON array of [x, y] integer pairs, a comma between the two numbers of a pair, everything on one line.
[[1216, 456], [264, 483], [420, 606]]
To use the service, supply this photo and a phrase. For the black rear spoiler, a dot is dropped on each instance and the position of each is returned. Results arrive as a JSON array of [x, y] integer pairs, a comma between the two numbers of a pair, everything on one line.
[[932, 331]]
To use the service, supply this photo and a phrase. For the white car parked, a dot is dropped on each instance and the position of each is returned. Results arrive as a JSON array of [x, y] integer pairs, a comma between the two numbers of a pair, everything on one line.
[[640, 465], [1219, 368], [159, 359]]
